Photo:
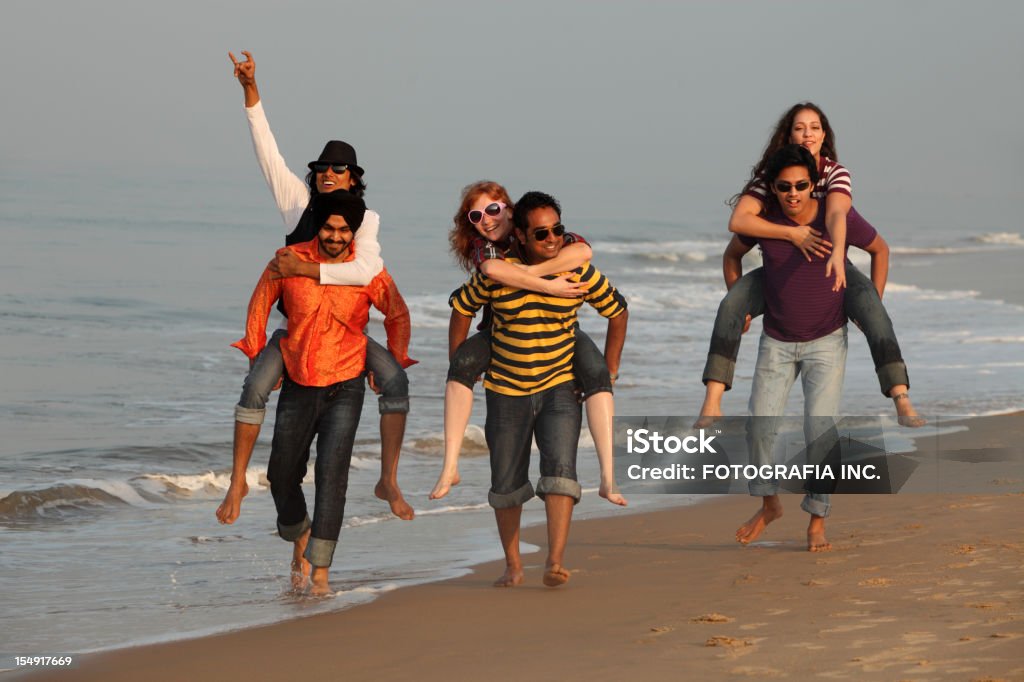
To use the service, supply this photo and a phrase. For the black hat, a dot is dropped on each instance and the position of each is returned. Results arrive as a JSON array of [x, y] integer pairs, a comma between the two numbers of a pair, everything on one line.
[[338, 152], [339, 202]]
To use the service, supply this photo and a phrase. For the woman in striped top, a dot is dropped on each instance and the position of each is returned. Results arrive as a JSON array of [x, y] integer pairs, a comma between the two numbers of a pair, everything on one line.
[[805, 124]]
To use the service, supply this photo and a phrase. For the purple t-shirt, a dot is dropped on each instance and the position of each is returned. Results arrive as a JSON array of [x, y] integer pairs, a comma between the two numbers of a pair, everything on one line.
[[799, 302]]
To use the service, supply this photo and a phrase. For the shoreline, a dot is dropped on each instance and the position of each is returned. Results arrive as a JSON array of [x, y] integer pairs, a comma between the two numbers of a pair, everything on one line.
[[912, 588], [964, 271]]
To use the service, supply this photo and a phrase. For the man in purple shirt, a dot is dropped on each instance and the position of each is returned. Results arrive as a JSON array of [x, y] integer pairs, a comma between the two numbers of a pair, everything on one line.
[[804, 335]]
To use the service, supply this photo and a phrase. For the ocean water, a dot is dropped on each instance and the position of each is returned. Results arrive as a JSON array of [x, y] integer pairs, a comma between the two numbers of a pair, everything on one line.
[[120, 299]]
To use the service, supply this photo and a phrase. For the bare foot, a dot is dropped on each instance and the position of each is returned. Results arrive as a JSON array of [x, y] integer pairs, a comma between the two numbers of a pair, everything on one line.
[[710, 412], [906, 415], [611, 493], [300, 566], [555, 575], [318, 582], [771, 509], [392, 494], [816, 541], [231, 508], [512, 576], [444, 484]]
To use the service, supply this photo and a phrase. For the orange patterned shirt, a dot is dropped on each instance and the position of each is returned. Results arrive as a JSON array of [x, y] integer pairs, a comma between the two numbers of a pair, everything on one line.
[[325, 342]]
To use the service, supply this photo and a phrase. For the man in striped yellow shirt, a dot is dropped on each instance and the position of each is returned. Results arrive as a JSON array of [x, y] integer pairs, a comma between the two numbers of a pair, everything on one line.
[[530, 383]]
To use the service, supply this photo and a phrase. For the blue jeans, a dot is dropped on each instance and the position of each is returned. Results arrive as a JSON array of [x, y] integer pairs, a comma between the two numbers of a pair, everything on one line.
[[821, 365], [555, 417], [473, 356], [331, 414], [269, 366], [862, 306]]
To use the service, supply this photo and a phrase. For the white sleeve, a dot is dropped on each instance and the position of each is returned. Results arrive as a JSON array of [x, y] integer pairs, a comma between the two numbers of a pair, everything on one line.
[[290, 191], [366, 265]]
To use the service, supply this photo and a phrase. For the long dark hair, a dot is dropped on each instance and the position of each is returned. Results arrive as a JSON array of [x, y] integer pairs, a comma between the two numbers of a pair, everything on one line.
[[358, 186], [780, 138]]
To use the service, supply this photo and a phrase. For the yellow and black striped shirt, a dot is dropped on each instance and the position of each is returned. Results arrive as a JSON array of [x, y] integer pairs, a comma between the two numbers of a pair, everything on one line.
[[534, 335]]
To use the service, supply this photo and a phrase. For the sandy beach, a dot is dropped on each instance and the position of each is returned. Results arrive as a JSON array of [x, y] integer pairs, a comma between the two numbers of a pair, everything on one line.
[[921, 587]]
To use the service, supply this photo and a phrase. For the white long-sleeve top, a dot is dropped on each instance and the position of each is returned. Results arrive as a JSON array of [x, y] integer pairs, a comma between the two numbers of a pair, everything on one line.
[[291, 194]]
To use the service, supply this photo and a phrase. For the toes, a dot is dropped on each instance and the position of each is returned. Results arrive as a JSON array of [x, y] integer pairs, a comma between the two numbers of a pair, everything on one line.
[[556, 575]]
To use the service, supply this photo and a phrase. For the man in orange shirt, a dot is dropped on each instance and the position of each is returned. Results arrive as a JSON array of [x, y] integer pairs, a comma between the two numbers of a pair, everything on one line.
[[324, 356]]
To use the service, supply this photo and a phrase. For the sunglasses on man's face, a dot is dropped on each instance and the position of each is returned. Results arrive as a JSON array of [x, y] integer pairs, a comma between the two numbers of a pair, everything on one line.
[[784, 187], [558, 229], [338, 168], [494, 210]]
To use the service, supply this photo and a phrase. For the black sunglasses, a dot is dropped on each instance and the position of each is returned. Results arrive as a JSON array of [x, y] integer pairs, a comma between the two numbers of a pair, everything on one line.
[[783, 186], [338, 168], [558, 229]]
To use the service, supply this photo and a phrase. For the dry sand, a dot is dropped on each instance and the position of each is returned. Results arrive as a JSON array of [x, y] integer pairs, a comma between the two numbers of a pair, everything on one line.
[[918, 587]]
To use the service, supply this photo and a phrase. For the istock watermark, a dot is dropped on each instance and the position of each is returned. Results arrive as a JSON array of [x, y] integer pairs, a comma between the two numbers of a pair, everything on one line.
[[685, 455]]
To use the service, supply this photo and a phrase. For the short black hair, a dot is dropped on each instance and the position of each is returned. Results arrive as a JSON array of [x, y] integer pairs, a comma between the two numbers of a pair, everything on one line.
[[788, 156], [531, 201]]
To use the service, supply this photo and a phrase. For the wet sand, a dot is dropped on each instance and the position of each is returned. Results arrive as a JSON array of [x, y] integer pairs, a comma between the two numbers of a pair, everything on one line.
[[917, 587]]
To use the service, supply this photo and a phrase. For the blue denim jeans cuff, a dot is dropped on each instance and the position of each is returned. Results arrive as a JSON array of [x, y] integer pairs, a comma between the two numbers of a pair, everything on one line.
[[719, 368], [892, 374], [763, 488], [320, 552], [819, 505], [516, 498], [293, 532], [249, 415], [392, 404], [553, 485]]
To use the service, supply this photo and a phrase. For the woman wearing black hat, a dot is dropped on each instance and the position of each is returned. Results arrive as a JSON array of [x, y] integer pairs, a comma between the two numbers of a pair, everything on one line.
[[335, 169]]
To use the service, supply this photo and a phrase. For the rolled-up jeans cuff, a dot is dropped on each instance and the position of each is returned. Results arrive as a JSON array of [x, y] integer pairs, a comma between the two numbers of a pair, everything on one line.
[[452, 376], [320, 552], [391, 405], [293, 532], [249, 415], [819, 505], [554, 485], [892, 374], [516, 498], [719, 368], [584, 395], [763, 488]]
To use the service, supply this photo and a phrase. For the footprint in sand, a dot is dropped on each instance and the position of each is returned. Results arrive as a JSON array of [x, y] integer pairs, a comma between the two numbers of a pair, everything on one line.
[[729, 642], [712, 618]]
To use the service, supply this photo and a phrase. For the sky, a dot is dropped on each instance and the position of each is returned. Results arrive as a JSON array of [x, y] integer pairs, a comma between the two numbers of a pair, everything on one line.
[[639, 104]]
